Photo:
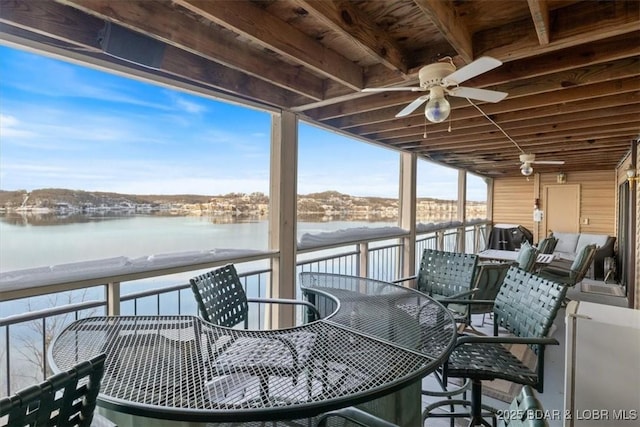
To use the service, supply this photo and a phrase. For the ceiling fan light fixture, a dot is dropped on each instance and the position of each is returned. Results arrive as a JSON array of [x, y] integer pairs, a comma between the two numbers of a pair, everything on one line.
[[526, 169], [438, 108]]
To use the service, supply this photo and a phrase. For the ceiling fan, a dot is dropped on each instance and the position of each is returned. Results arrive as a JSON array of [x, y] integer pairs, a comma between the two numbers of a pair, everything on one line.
[[528, 159], [442, 78]]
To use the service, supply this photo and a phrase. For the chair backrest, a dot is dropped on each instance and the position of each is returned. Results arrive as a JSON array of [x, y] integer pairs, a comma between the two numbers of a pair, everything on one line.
[[446, 273], [487, 283], [547, 245], [582, 263], [220, 296], [527, 255], [527, 304], [44, 405]]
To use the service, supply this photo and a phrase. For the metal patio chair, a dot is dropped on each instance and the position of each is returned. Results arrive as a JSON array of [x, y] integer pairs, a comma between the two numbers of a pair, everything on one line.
[[447, 275], [444, 275], [222, 301], [575, 273], [525, 307], [63, 400], [489, 277]]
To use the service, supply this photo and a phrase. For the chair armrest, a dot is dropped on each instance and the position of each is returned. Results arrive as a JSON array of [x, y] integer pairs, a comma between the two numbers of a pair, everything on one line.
[[356, 416], [307, 304], [404, 279], [466, 339], [466, 301], [458, 296], [556, 269]]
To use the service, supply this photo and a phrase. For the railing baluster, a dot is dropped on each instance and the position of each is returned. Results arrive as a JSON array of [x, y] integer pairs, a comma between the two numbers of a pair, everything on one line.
[[7, 354], [44, 348]]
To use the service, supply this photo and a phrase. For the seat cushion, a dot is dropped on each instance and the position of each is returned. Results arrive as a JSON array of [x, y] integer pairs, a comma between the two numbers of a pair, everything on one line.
[[567, 242], [582, 257], [587, 239], [567, 256], [526, 256]]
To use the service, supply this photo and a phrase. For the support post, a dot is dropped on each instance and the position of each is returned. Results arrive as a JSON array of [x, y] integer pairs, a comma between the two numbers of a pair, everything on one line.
[[408, 178], [113, 299], [363, 259], [462, 210], [282, 216]]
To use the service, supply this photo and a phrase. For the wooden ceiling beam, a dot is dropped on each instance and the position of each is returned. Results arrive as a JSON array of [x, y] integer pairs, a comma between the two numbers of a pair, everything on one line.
[[540, 15], [216, 76], [572, 25], [597, 52], [451, 26], [53, 20], [345, 17], [160, 21], [271, 33]]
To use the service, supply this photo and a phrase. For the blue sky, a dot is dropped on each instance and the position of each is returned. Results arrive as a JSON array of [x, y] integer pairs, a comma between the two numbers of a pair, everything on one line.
[[68, 126]]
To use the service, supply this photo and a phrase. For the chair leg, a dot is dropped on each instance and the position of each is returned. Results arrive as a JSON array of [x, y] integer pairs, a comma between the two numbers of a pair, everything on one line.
[[476, 405]]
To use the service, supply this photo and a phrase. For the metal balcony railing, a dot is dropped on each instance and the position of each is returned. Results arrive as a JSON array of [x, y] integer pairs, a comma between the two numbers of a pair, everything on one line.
[[25, 337]]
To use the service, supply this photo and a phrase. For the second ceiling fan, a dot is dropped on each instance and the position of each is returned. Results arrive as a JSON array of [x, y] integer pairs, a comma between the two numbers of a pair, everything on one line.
[[442, 78], [527, 159]]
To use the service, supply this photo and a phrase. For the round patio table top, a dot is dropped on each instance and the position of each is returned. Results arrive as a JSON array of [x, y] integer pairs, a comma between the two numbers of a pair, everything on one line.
[[377, 339]]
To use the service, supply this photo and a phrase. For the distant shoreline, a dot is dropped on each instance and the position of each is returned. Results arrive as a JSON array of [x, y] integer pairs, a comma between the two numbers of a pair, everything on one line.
[[329, 204]]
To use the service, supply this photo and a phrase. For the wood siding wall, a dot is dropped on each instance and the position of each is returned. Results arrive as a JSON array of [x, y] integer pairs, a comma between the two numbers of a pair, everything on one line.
[[513, 200]]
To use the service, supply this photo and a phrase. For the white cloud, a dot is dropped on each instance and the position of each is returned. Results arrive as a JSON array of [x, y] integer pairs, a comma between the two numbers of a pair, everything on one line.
[[188, 106], [10, 127]]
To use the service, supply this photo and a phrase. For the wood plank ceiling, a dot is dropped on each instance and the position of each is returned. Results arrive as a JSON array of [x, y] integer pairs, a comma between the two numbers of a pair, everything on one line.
[[571, 68]]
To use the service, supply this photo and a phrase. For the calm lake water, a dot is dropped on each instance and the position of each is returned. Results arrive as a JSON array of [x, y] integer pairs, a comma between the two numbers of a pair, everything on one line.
[[34, 242]]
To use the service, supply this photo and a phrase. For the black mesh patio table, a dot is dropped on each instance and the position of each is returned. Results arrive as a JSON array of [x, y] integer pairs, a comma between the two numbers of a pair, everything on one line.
[[377, 339]]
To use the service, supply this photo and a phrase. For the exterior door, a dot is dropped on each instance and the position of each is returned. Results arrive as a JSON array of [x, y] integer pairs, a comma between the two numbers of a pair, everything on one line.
[[562, 208]]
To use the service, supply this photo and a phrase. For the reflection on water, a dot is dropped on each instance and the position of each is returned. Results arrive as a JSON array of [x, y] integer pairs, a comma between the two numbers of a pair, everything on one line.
[[39, 219], [52, 218]]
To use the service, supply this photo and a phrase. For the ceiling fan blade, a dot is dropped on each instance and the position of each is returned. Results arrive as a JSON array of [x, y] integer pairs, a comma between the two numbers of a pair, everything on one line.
[[393, 89], [477, 67], [479, 94], [411, 107], [549, 162]]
